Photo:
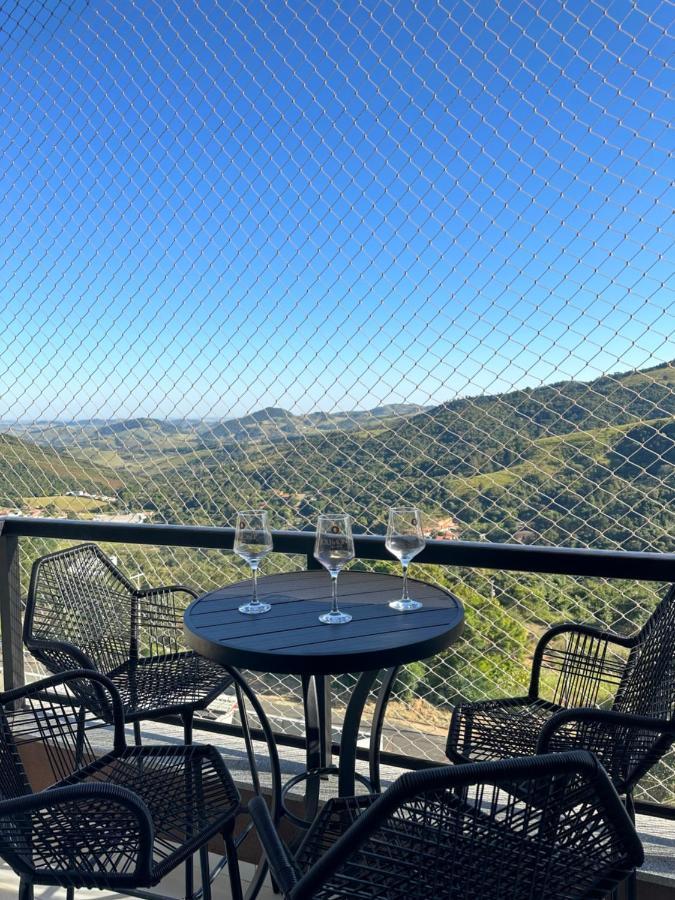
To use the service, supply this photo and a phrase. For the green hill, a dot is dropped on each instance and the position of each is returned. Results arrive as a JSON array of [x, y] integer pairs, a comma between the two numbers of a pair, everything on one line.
[[29, 470], [572, 463], [142, 439]]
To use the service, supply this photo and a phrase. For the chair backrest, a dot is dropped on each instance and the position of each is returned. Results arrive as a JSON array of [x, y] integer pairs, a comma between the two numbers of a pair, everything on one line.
[[540, 827], [648, 684], [78, 597]]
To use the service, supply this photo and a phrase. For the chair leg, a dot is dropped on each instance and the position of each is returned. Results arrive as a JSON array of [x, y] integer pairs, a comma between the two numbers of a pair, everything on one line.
[[205, 871], [187, 718], [233, 865], [79, 739], [25, 890], [189, 878], [70, 893], [204, 849], [631, 882], [137, 733], [631, 886], [246, 731], [189, 864]]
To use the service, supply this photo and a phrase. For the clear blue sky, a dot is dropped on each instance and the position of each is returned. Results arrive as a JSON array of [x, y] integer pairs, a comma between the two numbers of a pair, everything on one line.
[[213, 207]]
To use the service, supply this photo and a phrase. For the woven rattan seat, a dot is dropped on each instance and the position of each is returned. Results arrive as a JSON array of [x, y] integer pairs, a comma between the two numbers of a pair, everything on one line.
[[466, 833], [178, 785], [168, 683], [487, 728]]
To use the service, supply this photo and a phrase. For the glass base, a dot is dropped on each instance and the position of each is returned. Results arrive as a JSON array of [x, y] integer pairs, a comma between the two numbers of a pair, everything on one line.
[[254, 609], [405, 605], [335, 618]]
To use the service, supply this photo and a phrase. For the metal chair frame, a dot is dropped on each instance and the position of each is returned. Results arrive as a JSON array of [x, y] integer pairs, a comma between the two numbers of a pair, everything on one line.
[[634, 676], [532, 828], [82, 612], [120, 819]]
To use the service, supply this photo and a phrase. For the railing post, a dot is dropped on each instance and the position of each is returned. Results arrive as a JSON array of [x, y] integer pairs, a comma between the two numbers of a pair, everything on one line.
[[11, 613]]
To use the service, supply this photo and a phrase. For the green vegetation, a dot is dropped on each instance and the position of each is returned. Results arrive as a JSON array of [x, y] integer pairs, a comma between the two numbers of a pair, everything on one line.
[[28, 470]]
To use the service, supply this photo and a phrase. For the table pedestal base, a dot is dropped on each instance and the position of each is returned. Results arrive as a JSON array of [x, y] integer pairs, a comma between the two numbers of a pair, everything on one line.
[[319, 746], [316, 775]]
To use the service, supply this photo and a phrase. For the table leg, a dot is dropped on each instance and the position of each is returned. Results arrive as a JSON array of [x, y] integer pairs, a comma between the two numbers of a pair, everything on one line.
[[317, 709], [376, 730], [313, 701], [325, 710], [350, 732]]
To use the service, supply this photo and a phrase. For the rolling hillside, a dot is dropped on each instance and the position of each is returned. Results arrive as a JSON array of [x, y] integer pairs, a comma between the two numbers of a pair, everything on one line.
[[143, 436], [571, 463], [541, 464], [29, 470]]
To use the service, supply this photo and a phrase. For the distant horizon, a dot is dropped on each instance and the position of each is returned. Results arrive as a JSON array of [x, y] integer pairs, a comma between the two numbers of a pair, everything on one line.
[[667, 363]]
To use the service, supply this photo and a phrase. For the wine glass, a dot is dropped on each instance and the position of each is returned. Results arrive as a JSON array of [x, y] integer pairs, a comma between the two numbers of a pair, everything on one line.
[[405, 539], [333, 548], [253, 541]]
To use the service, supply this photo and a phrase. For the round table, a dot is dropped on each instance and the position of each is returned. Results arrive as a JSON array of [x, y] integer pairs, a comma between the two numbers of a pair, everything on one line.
[[290, 640]]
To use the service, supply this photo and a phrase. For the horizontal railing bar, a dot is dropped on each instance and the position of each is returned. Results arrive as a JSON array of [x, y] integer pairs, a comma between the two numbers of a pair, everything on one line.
[[634, 565], [657, 810]]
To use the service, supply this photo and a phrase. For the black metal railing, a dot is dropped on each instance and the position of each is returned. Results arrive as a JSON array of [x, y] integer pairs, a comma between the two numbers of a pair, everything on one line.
[[613, 564]]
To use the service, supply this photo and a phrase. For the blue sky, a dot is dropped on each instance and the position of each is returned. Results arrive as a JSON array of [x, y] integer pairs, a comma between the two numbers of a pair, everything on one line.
[[218, 206]]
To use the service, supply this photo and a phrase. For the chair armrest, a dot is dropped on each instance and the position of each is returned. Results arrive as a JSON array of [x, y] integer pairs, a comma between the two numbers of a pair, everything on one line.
[[279, 859], [59, 656], [597, 720], [94, 830], [19, 706], [586, 668], [166, 589], [160, 619], [620, 740]]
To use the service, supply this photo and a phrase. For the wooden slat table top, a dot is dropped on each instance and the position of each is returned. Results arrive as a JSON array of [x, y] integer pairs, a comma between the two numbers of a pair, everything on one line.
[[290, 639]]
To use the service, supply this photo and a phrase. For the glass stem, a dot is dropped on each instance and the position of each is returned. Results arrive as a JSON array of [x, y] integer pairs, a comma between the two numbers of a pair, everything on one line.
[[405, 580], [254, 569], [334, 578]]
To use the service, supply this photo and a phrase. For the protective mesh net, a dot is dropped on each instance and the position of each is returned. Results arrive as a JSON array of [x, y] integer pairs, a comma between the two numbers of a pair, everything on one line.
[[342, 256]]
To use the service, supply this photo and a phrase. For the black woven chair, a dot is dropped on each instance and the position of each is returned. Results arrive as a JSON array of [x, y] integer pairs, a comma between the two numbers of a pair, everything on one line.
[[83, 613], [612, 695], [107, 815], [464, 833]]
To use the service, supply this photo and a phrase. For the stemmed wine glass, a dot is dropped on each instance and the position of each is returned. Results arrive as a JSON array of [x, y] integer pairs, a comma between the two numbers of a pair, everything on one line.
[[405, 539], [253, 541], [333, 548]]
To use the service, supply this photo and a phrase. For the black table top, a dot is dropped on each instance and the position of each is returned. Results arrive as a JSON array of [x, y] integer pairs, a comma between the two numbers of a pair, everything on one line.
[[290, 640]]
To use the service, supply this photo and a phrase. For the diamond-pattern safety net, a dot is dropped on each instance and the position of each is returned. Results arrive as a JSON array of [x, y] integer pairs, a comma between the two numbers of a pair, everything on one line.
[[328, 256]]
